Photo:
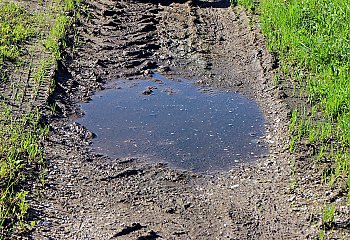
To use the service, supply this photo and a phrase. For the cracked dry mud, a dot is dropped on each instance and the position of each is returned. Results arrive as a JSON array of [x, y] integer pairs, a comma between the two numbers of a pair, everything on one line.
[[90, 196]]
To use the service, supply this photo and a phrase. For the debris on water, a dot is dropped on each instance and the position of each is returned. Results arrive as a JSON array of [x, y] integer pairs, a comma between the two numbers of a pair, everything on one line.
[[169, 91], [149, 90]]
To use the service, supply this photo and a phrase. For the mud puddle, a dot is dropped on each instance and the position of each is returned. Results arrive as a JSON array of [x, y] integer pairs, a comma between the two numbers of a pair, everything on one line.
[[189, 127], [128, 199]]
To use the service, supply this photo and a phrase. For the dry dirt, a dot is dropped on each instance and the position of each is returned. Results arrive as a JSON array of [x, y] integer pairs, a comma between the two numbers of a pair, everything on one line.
[[90, 196]]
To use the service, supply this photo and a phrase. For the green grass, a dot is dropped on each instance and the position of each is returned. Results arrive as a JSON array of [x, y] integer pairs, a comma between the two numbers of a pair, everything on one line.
[[250, 5], [16, 26], [20, 159], [312, 41], [328, 217], [22, 31], [311, 38]]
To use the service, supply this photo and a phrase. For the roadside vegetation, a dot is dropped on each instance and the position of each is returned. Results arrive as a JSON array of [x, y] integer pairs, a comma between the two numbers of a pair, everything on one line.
[[28, 31], [312, 41], [310, 37]]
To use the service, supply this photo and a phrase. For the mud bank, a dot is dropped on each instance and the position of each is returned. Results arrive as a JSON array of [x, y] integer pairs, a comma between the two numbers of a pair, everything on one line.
[[90, 196]]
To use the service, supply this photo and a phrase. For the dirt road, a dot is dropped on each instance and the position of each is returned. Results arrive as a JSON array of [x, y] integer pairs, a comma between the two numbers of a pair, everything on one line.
[[89, 196]]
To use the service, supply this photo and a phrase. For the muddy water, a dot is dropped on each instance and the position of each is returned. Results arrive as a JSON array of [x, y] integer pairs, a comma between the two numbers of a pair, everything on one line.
[[187, 126]]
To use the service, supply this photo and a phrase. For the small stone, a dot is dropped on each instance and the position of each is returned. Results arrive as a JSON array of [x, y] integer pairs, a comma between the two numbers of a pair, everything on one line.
[[187, 205], [147, 72], [238, 83], [163, 68], [291, 199], [170, 210]]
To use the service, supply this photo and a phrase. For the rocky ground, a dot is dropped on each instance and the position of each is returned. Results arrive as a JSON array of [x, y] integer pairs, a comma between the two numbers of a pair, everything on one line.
[[90, 196]]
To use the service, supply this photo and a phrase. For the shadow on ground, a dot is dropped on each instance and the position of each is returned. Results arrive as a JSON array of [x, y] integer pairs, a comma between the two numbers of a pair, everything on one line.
[[212, 4], [198, 3]]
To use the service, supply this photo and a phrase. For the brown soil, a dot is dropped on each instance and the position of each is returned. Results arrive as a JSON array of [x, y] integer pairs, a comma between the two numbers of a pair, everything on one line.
[[90, 196]]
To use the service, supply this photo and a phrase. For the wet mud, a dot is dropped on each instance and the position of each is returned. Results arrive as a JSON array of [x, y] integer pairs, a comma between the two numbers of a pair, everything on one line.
[[93, 196]]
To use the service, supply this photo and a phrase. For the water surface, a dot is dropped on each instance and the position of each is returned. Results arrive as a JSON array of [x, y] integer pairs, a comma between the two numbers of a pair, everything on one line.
[[187, 126]]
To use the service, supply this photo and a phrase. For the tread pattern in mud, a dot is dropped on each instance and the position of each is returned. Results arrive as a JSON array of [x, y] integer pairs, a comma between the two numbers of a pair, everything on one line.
[[26, 90], [29, 82], [118, 40]]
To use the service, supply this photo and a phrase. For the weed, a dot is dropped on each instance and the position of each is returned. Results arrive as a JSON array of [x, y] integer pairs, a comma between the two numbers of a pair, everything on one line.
[[248, 4], [328, 215], [322, 235], [348, 189], [293, 183], [293, 120]]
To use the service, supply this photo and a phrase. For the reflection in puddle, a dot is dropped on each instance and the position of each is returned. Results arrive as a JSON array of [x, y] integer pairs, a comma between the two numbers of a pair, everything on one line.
[[189, 127]]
